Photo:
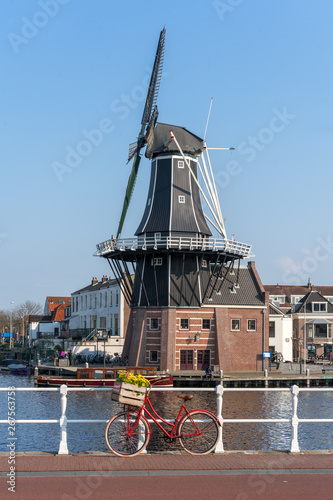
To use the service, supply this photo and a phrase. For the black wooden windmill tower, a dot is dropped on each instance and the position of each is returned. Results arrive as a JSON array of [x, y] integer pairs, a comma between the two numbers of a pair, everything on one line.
[[173, 261]]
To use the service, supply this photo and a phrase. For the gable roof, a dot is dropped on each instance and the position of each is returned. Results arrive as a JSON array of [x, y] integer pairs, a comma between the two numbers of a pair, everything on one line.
[[313, 296]]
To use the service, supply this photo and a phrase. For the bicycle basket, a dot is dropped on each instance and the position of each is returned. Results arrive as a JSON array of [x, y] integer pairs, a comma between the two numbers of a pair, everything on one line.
[[128, 394]]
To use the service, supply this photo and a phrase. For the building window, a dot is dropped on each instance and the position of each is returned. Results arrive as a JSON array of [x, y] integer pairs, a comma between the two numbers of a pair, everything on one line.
[[235, 324], [90, 305], [100, 300], [180, 164], [272, 329], [206, 324], [116, 324], [117, 297], [322, 331], [154, 324], [77, 303], [181, 199], [86, 302], [157, 261], [102, 323], [252, 325], [111, 299], [319, 306], [153, 356], [184, 324], [81, 302], [105, 299], [111, 324], [95, 300]]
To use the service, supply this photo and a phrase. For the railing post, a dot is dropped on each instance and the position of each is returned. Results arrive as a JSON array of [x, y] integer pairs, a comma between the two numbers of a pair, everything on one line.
[[63, 450], [219, 393], [294, 447]]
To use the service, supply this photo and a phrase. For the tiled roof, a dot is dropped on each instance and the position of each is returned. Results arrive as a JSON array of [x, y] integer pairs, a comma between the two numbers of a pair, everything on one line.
[[248, 293], [54, 302]]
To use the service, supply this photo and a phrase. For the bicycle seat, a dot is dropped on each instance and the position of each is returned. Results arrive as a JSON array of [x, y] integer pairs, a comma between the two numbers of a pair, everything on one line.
[[185, 397]]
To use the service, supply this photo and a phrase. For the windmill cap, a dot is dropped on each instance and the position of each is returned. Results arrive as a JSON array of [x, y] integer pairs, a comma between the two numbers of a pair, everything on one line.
[[162, 143]]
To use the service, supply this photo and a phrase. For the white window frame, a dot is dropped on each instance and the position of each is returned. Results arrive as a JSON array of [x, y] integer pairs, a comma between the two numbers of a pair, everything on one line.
[[204, 263], [158, 236], [181, 164], [236, 329], [181, 199], [320, 310], [255, 325], [157, 261], [150, 356], [185, 327]]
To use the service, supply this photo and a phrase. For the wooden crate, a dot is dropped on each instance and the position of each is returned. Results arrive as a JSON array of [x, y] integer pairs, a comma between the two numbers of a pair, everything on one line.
[[128, 394]]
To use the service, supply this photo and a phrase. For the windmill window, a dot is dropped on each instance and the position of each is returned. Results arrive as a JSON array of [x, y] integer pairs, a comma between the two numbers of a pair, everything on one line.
[[181, 199], [206, 324], [235, 324], [184, 324], [203, 263], [153, 356], [158, 236], [154, 324], [180, 164], [157, 261], [149, 202]]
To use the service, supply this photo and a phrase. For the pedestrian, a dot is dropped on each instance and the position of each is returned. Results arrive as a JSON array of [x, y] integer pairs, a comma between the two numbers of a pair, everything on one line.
[[56, 357], [70, 357], [208, 373]]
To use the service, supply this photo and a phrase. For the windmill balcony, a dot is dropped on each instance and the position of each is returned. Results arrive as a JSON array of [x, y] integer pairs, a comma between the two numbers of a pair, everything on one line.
[[242, 250]]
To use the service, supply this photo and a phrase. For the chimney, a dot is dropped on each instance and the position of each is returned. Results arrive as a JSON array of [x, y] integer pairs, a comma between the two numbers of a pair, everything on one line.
[[94, 281], [104, 278], [309, 283]]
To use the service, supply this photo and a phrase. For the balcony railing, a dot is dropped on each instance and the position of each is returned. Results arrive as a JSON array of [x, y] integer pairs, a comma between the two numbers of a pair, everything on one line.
[[174, 243]]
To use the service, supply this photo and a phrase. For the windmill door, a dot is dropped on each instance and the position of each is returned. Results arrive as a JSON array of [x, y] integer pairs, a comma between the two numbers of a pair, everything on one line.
[[203, 359], [186, 359]]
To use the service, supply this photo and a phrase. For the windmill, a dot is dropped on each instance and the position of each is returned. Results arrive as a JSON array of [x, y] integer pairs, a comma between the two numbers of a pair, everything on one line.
[[149, 117], [174, 258]]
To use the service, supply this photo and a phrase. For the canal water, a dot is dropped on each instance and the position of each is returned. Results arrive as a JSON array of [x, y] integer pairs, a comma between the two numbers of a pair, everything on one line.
[[98, 405]]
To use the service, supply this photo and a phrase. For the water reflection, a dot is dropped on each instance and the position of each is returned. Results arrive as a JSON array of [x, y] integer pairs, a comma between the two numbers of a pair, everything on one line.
[[98, 405]]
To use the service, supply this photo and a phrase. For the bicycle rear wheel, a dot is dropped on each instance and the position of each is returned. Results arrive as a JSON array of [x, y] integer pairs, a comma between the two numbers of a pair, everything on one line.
[[200, 432], [123, 437]]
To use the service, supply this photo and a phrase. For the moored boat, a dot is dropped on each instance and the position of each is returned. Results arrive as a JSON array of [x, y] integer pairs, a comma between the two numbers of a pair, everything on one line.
[[18, 369], [104, 377]]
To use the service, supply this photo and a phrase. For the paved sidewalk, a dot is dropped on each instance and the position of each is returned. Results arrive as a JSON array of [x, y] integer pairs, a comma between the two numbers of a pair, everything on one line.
[[228, 461]]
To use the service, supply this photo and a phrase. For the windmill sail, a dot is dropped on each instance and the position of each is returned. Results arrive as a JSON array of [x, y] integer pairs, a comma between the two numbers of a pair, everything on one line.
[[148, 121]]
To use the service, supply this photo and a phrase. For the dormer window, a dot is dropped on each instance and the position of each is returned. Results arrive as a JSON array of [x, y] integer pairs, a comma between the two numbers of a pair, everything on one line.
[[319, 306]]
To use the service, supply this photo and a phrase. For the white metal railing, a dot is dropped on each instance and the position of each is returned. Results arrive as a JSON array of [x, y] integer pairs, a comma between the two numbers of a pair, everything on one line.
[[294, 421], [174, 242]]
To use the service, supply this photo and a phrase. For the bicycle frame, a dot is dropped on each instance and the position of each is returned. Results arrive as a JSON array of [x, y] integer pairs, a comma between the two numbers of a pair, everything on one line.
[[143, 410]]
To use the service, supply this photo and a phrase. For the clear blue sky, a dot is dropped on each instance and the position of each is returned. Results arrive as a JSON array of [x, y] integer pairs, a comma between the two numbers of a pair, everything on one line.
[[67, 67]]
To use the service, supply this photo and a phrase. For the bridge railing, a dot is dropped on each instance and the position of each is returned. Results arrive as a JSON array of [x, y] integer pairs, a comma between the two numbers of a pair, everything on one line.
[[292, 422]]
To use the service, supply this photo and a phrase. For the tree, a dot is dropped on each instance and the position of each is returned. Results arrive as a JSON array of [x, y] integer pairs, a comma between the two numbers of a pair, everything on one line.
[[28, 308]]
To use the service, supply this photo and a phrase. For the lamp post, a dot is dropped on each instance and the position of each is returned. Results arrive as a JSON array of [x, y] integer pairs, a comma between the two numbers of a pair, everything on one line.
[[10, 325]]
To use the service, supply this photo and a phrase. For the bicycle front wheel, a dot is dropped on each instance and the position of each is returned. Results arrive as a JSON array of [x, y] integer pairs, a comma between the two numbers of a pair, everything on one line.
[[200, 432], [125, 435]]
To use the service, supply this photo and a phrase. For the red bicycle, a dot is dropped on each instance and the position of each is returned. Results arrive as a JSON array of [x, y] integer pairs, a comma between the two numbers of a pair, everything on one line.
[[128, 433]]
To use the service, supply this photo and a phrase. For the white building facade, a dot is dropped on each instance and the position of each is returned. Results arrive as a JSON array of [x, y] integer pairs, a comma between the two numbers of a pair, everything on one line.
[[99, 307]]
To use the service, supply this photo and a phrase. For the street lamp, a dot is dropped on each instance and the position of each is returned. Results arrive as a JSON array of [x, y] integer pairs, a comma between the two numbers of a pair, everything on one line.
[[10, 325]]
